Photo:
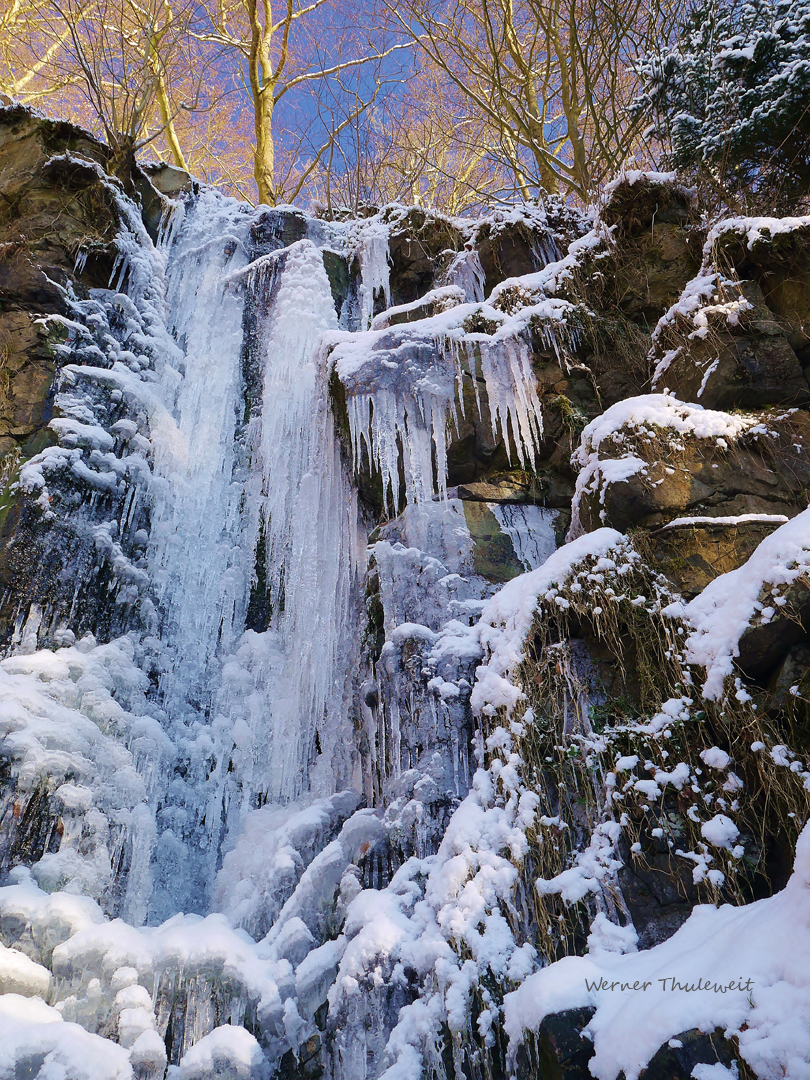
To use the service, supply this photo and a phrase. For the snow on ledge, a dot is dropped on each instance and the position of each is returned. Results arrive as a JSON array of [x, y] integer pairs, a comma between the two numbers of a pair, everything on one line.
[[658, 411], [639, 176], [754, 229], [745, 970], [620, 426], [741, 519], [724, 610]]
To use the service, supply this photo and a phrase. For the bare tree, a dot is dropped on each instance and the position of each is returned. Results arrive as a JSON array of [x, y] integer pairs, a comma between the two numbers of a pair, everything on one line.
[[277, 65], [550, 77], [29, 45], [111, 64], [120, 58], [417, 145]]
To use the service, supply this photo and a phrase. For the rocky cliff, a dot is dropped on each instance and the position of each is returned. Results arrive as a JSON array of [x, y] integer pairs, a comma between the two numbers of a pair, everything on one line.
[[405, 633]]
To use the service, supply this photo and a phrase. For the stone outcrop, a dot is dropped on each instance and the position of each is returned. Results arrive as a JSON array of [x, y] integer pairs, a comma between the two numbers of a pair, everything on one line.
[[54, 210], [764, 472], [777, 260], [731, 353]]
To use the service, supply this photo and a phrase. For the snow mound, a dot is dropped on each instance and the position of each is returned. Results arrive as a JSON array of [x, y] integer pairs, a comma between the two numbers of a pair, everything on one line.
[[743, 969]]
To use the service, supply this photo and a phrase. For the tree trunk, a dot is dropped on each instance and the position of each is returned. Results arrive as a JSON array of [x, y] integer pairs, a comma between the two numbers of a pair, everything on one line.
[[264, 153], [262, 87], [172, 140]]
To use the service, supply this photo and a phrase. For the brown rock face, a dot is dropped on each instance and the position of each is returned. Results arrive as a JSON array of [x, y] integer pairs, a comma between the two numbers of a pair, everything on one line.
[[759, 474], [780, 264], [56, 207], [656, 253], [629, 280], [693, 555], [420, 245], [765, 644], [53, 208], [740, 358]]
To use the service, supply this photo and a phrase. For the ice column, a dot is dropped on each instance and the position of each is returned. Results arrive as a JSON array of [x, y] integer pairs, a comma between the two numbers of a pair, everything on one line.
[[308, 510], [198, 566]]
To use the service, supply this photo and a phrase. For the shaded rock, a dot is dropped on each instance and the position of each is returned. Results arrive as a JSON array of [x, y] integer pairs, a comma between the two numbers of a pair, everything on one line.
[[765, 644], [558, 1051], [676, 1062], [339, 280], [651, 270], [634, 203], [476, 456], [731, 353], [511, 249], [305, 1064], [780, 264], [655, 253], [684, 475], [693, 555], [421, 245], [791, 681], [628, 280], [54, 209], [658, 888], [274, 229]]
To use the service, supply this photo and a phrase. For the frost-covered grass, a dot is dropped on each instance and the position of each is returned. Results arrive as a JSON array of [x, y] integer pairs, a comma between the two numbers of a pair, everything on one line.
[[741, 969], [583, 783]]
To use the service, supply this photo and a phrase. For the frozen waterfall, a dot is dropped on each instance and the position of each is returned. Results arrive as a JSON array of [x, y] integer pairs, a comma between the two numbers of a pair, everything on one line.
[[228, 758]]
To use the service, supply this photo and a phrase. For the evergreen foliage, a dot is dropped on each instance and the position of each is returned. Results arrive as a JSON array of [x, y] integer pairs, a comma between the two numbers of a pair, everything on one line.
[[732, 98]]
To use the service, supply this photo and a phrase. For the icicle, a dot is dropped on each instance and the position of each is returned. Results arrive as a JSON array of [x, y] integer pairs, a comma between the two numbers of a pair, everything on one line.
[[402, 395], [512, 392], [466, 271], [374, 269]]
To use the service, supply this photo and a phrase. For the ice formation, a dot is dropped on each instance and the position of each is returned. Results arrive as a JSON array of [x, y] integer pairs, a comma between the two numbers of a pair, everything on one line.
[[404, 384], [215, 483], [292, 802]]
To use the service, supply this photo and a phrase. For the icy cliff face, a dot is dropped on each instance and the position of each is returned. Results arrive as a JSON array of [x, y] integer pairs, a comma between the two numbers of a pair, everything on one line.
[[318, 741], [213, 756]]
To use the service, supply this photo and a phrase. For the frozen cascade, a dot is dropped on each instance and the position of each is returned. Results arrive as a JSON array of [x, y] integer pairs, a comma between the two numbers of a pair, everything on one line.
[[308, 518], [241, 501], [226, 709], [197, 564], [374, 270], [230, 492]]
